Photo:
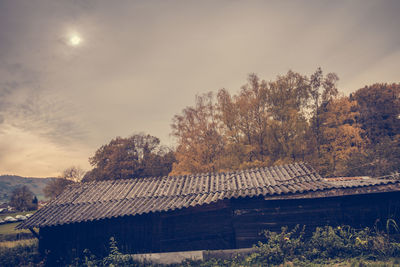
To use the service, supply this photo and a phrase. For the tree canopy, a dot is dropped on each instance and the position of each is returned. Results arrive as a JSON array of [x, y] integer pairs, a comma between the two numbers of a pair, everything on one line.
[[378, 106], [69, 176], [22, 199], [379, 109], [292, 118], [137, 156]]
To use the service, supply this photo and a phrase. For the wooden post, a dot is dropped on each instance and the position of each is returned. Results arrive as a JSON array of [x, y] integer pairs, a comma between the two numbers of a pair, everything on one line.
[[34, 233]]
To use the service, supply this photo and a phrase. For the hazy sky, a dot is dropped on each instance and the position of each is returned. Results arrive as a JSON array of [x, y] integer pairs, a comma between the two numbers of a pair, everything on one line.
[[75, 74]]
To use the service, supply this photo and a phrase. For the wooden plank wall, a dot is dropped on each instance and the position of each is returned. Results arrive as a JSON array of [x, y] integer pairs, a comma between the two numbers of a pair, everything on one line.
[[133, 234], [201, 227], [252, 216], [227, 224]]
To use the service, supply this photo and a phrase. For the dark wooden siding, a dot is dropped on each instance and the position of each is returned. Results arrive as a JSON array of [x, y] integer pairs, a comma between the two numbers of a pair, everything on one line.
[[133, 234], [226, 224], [206, 227], [202, 227], [252, 215]]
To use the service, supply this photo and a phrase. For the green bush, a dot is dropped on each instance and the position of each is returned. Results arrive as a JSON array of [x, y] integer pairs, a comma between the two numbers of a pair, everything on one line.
[[279, 246], [114, 258], [325, 243]]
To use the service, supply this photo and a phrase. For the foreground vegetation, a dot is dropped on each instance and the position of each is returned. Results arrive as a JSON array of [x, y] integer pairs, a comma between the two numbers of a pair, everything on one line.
[[339, 246], [20, 253]]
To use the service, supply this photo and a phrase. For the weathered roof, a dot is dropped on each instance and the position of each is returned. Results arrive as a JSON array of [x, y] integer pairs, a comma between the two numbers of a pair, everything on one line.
[[115, 198], [355, 181]]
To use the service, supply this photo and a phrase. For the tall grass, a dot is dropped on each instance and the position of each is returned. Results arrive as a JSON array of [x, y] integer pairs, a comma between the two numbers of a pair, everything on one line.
[[20, 253], [23, 243]]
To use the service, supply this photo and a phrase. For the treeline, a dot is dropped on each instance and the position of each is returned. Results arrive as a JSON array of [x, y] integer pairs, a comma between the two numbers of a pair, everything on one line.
[[292, 118]]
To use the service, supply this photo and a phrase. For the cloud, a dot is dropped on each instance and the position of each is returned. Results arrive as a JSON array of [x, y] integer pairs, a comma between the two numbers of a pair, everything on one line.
[[27, 154], [24, 104], [141, 62]]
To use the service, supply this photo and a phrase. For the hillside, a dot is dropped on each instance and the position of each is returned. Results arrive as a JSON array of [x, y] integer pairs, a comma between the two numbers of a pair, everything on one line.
[[9, 182]]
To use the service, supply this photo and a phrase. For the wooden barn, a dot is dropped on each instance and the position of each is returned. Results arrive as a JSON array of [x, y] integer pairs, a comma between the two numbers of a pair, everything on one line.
[[206, 211]]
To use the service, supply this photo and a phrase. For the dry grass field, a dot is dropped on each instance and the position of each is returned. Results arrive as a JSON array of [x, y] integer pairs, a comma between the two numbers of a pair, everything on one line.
[[24, 242], [8, 228]]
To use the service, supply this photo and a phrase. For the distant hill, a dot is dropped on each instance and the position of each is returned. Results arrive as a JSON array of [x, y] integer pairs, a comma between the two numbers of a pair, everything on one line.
[[9, 182]]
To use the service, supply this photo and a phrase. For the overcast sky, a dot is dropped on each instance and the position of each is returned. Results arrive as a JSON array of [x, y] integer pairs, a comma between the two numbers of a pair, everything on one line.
[[75, 74]]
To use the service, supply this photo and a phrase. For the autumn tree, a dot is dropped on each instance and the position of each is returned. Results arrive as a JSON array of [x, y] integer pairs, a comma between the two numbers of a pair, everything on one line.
[[245, 118], [137, 156], [379, 109], [341, 136], [322, 90], [74, 174], [200, 142], [379, 159], [55, 187], [22, 199], [288, 99], [292, 118], [69, 176], [265, 123]]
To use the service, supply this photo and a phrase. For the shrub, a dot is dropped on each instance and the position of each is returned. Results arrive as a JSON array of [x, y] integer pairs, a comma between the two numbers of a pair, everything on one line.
[[279, 246], [114, 258], [325, 243], [20, 255]]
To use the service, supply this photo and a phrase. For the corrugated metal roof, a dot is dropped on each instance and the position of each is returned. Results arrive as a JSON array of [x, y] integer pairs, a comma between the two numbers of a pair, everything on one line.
[[116, 198]]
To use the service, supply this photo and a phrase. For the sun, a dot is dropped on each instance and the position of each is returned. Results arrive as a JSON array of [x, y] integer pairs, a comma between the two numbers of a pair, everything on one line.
[[75, 40]]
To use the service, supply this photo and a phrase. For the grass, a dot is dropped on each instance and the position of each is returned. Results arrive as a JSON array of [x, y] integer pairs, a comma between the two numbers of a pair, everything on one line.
[[8, 228], [350, 262], [19, 253], [24, 253], [24, 242]]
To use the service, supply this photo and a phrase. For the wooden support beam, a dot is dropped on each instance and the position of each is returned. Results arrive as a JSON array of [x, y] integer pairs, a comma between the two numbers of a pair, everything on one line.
[[34, 233]]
